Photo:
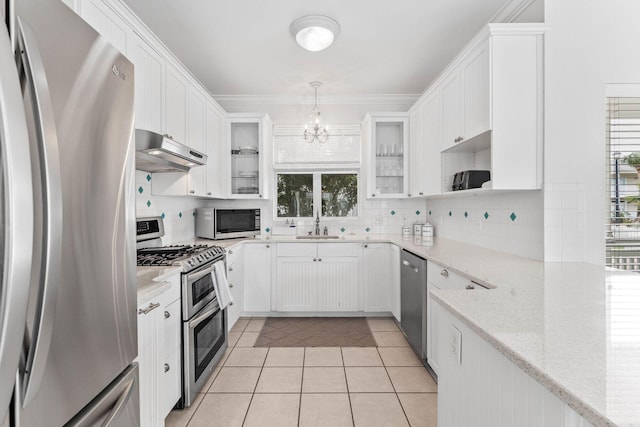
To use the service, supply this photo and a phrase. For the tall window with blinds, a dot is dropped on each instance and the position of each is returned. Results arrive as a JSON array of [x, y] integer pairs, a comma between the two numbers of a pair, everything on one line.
[[623, 191]]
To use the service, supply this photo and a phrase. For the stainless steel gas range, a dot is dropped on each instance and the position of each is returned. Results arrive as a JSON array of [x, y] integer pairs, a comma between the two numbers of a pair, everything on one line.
[[204, 324]]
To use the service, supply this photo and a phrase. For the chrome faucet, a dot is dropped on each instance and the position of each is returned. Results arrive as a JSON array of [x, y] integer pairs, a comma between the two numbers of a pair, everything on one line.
[[317, 223]]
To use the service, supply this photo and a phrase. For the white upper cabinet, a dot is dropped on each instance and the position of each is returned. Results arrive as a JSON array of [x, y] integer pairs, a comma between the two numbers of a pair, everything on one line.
[[248, 155], [217, 174], [149, 75], [196, 139], [416, 154], [385, 146], [175, 119], [106, 22], [484, 113]]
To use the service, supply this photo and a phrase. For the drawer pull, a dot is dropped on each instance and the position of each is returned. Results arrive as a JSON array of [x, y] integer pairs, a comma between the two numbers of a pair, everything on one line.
[[167, 367], [230, 252], [149, 309], [167, 314], [230, 268], [268, 246], [230, 285], [470, 287], [444, 273]]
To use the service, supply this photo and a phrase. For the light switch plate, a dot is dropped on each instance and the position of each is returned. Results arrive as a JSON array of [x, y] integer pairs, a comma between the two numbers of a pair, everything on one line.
[[455, 344]]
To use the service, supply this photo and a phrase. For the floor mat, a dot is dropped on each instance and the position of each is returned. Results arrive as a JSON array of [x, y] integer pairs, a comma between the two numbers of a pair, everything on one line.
[[315, 332]]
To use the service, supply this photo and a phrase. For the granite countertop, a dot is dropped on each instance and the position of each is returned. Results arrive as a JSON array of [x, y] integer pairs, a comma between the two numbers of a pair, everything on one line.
[[151, 281], [574, 327]]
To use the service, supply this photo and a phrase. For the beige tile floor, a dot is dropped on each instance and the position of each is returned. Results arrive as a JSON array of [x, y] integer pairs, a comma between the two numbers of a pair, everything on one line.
[[314, 386]]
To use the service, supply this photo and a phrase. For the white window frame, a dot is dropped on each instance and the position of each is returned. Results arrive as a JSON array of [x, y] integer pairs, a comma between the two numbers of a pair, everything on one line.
[[317, 194]]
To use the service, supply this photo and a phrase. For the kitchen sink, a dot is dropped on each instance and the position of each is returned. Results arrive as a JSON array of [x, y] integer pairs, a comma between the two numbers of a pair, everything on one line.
[[317, 237]]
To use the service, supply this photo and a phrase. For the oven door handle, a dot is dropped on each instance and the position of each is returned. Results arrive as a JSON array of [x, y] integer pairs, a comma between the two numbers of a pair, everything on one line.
[[204, 316], [193, 277]]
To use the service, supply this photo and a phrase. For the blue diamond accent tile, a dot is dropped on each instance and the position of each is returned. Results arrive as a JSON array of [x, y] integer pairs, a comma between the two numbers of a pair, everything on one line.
[[140, 190], [163, 215], [148, 177], [513, 216], [417, 212], [392, 212], [367, 229], [267, 229], [486, 215], [148, 203], [450, 213], [429, 212], [342, 230], [180, 214], [466, 214], [194, 213]]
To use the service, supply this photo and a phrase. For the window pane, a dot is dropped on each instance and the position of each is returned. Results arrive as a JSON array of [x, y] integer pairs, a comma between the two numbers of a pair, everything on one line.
[[340, 195], [295, 195]]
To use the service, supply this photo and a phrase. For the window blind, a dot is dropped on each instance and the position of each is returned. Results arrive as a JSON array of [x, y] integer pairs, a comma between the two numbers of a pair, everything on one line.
[[623, 177]]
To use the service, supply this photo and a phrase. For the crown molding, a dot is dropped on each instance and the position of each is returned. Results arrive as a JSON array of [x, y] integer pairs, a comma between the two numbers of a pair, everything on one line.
[[397, 99], [510, 11]]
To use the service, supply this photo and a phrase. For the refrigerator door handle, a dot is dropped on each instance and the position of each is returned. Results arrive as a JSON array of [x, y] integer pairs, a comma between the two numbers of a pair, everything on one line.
[[52, 205], [120, 404], [16, 219]]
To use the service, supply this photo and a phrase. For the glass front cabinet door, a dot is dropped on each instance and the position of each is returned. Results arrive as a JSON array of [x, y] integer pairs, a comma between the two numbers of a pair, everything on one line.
[[246, 136], [386, 139]]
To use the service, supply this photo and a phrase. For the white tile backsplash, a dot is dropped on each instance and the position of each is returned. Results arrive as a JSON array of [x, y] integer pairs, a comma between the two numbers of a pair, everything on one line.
[[179, 219], [522, 236]]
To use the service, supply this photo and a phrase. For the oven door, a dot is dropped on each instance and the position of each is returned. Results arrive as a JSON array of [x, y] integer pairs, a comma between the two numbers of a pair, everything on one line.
[[197, 290], [205, 341]]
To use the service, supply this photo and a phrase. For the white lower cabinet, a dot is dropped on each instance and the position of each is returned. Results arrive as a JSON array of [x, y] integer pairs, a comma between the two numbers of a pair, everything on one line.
[[159, 354], [257, 269], [480, 387], [377, 276], [317, 277], [234, 277], [432, 329]]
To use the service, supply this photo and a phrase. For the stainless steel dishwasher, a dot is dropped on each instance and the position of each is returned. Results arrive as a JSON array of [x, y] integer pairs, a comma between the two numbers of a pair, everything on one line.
[[413, 301]]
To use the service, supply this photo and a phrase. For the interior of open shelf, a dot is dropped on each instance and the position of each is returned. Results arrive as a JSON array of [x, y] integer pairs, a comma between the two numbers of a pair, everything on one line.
[[459, 161], [245, 157]]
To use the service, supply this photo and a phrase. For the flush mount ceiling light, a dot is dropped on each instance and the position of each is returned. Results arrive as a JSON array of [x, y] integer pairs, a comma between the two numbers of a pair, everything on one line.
[[314, 32]]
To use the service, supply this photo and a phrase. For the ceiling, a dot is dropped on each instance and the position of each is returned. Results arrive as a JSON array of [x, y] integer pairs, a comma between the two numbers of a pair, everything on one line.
[[243, 47]]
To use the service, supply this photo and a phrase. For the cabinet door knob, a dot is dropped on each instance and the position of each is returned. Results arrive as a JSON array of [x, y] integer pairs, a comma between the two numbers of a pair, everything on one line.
[[421, 193], [314, 260], [167, 314], [230, 252], [230, 268], [260, 195], [373, 195], [208, 193], [409, 195], [167, 367], [268, 246], [192, 191], [231, 285], [319, 259], [444, 273], [366, 246]]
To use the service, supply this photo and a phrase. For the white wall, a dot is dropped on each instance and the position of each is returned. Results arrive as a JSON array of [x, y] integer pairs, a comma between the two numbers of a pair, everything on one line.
[[590, 44], [521, 235]]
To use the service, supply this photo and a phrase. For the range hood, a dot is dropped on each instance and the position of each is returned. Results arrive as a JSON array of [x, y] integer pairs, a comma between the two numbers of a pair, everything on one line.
[[160, 153]]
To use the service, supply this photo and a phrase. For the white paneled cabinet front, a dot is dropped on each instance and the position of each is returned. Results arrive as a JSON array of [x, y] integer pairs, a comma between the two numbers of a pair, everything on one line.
[[377, 276], [175, 105], [235, 279], [483, 388], [217, 175], [196, 139], [159, 326], [417, 153], [317, 277], [257, 276], [149, 74]]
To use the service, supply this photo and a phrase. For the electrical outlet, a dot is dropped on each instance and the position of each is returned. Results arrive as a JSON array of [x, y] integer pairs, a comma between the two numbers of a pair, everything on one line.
[[455, 344]]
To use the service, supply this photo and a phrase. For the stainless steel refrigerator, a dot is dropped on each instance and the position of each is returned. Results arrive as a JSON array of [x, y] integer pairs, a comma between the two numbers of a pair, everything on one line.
[[68, 336]]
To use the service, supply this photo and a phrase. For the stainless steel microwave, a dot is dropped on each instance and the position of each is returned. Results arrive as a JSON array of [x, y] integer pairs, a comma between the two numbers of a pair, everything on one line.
[[227, 223]]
